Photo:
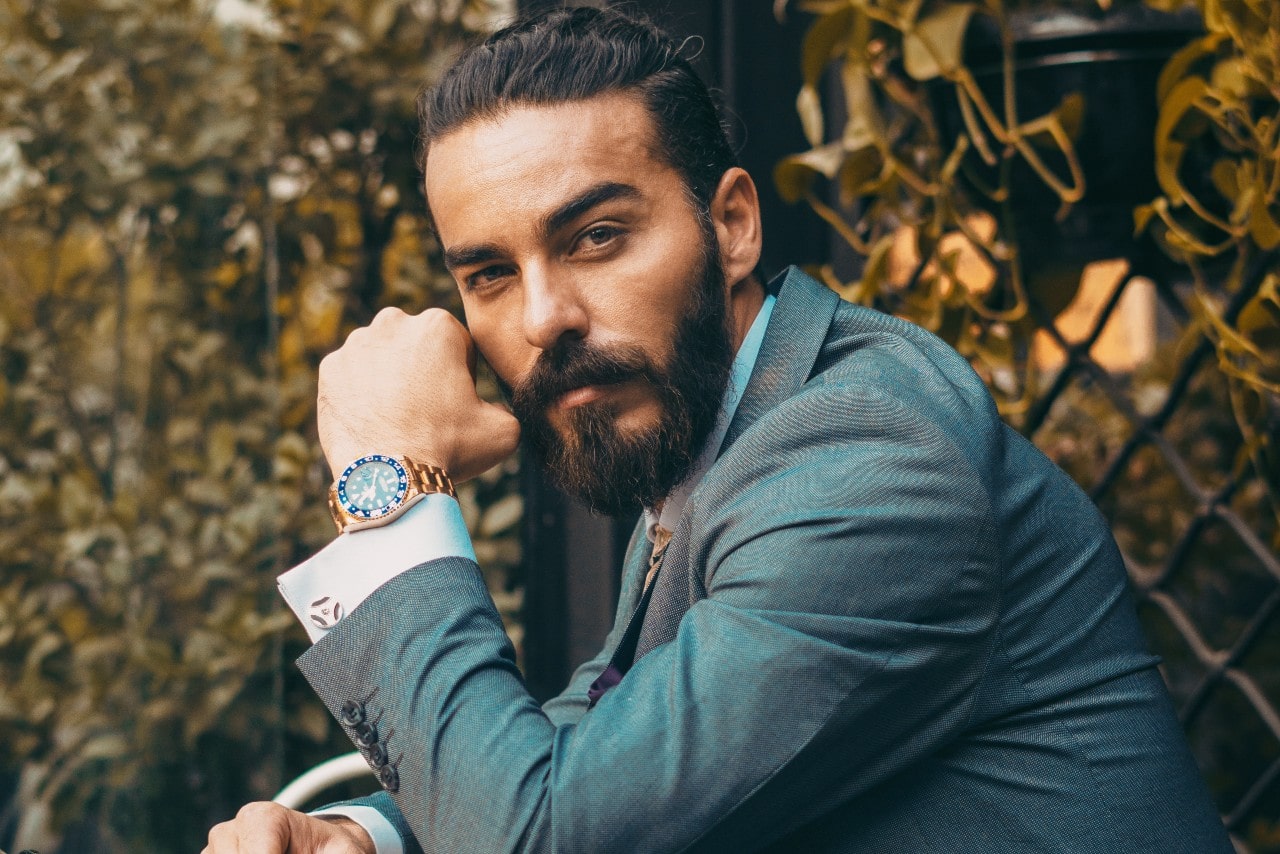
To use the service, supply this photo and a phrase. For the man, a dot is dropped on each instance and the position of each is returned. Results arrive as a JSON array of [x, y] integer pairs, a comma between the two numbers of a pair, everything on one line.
[[861, 614]]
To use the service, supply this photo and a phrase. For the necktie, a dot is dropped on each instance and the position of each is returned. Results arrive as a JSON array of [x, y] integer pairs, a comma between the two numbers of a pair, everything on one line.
[[624, 655], [661, 539]]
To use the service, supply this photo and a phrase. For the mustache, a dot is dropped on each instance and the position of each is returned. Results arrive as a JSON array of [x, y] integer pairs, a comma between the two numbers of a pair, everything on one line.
[[575, 364]]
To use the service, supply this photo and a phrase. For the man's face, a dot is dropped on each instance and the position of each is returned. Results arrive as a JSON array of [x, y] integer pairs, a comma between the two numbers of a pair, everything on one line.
[[592, 288]]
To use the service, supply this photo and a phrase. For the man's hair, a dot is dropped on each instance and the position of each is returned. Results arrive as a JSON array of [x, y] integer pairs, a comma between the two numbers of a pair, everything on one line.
[[573, 54]]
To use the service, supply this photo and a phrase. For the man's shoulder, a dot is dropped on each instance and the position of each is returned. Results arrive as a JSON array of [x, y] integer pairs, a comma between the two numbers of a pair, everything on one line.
[[888, 378], [870, 355]]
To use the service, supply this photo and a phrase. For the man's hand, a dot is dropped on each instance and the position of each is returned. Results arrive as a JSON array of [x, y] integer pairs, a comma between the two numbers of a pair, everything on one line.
[[406, 385], [267, 828]]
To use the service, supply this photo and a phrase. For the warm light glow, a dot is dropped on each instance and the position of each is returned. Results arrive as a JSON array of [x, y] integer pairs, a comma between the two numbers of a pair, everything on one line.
[[972, 270], [1129, 338]]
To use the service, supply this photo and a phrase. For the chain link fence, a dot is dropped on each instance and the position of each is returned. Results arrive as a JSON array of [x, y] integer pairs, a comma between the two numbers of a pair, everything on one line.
[[1158, 447]]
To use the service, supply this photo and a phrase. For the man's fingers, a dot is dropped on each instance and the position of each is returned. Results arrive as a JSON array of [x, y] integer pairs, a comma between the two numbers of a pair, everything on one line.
[[268, 828], [258, 828], [503, 427]]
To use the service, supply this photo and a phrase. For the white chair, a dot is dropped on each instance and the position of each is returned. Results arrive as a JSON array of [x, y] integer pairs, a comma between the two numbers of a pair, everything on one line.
[[340, 769]]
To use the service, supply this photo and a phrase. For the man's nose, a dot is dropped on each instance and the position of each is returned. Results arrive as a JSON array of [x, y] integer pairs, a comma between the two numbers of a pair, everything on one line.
[[553, 308]]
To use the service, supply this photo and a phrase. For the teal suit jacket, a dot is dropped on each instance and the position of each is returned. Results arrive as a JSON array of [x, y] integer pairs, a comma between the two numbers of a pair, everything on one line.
[[886, 623]]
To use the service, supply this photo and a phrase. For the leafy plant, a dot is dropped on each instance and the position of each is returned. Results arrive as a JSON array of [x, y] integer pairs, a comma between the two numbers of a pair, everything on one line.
[[944, 185], [904, 203], [197, 201], [1220, 116]]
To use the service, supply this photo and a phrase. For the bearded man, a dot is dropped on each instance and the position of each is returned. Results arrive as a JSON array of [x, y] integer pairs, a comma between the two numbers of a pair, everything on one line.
[[860, 614]]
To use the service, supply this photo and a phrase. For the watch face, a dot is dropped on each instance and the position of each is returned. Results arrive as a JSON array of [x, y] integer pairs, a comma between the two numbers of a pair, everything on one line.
[[372, 486]]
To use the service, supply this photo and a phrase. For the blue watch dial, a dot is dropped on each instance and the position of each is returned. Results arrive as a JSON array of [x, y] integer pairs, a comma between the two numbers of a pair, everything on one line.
[[373, 486]]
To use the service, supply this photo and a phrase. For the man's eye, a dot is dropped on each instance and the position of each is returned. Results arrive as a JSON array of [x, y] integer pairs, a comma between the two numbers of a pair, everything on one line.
[[598, 236], [487, 276]]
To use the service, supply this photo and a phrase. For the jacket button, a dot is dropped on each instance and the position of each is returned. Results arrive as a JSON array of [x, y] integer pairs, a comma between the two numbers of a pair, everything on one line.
[[352, 713], [366, 735], [378, 755], [390, 778]]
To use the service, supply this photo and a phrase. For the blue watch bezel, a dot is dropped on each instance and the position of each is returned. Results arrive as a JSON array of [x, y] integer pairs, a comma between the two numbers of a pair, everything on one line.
[[402, 487]]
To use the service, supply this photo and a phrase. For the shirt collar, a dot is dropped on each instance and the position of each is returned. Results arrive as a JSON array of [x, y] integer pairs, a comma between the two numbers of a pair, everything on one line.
[[739, 373]]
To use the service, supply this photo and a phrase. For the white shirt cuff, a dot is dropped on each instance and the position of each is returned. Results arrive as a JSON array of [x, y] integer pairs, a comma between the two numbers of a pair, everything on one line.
[[382, 832], [333, 583]]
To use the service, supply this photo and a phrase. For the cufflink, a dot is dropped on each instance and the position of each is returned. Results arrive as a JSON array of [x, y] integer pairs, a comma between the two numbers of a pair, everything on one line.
[[326, 612]]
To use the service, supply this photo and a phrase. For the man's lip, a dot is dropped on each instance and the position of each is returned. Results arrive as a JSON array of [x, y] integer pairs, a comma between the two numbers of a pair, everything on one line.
[[579, 396]]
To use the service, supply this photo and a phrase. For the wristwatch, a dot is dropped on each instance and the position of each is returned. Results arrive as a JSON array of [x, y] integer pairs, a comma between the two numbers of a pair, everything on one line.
[[377, 488]]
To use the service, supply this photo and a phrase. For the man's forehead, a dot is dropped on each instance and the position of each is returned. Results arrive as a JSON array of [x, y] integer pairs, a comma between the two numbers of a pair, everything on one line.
[[547, 150]]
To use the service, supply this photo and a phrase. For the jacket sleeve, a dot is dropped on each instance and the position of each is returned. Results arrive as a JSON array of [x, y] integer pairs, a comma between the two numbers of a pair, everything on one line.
[[564, 708], [847, 548]]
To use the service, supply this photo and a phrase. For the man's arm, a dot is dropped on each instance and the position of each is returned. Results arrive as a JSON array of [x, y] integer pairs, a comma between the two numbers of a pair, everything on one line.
[[802, 658], [850, 579], [435, 531]]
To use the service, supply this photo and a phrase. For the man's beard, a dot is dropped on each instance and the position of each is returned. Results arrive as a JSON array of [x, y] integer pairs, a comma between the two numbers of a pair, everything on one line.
[[613, 471]]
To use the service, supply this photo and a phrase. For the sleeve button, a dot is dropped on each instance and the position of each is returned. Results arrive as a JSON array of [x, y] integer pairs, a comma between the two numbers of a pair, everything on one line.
[[352, 713], [390, 778], [366, 735], [378, 755]]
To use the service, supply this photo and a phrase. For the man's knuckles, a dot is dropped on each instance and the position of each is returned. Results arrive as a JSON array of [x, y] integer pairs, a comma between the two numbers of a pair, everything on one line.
[[264, 812], [392, 330], [262, 823], [387, 317]]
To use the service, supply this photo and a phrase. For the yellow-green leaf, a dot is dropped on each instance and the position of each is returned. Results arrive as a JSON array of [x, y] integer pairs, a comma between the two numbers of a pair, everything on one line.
[[1179, 65], [1262, 225], [794, 174], [1142, 216], [809, 106], [1224, 177], [1169, 152], [860, 173], [935, 46], [821, 42], [864, 126], [875, 274], [1070, 112], [1229, 78]]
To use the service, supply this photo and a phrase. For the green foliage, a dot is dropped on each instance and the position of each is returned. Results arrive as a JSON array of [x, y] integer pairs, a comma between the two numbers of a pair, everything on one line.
[[1192, 489], [913, 202], [1220, 109], [197, 201], [897, 175]]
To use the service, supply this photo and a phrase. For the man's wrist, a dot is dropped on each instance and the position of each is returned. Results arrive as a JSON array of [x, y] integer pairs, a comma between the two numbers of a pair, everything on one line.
[[359, 836], [376, 488], [334, 582], [382, 835]]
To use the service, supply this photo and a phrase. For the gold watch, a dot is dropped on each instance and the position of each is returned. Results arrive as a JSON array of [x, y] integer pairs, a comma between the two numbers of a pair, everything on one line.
[[377, 488]]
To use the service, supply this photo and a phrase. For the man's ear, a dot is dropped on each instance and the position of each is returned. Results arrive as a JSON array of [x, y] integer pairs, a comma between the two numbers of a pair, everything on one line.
[[735, 214]]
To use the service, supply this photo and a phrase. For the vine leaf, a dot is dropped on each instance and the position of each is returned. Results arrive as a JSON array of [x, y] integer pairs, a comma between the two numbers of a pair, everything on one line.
[[934, 47]]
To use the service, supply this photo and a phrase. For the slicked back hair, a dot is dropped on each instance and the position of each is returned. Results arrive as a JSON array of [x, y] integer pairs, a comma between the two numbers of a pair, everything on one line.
[[568, 55]]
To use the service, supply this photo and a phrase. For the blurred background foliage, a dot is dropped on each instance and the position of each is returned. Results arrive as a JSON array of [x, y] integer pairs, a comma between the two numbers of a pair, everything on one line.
[[199, 198], [197, 201], [1083, 196]]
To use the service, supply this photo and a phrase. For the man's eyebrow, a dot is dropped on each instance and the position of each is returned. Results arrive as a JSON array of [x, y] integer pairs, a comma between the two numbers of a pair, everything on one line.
[[585, 201], [465, 256]]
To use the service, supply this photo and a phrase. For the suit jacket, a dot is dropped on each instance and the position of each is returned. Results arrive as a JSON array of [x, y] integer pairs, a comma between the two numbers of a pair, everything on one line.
[[886, 623]]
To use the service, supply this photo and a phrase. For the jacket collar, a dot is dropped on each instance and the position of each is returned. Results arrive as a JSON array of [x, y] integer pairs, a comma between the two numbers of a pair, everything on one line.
[[796, 331]]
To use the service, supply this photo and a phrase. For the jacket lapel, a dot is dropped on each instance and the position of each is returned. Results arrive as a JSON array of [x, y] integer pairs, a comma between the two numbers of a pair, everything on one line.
[[796, 332]]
